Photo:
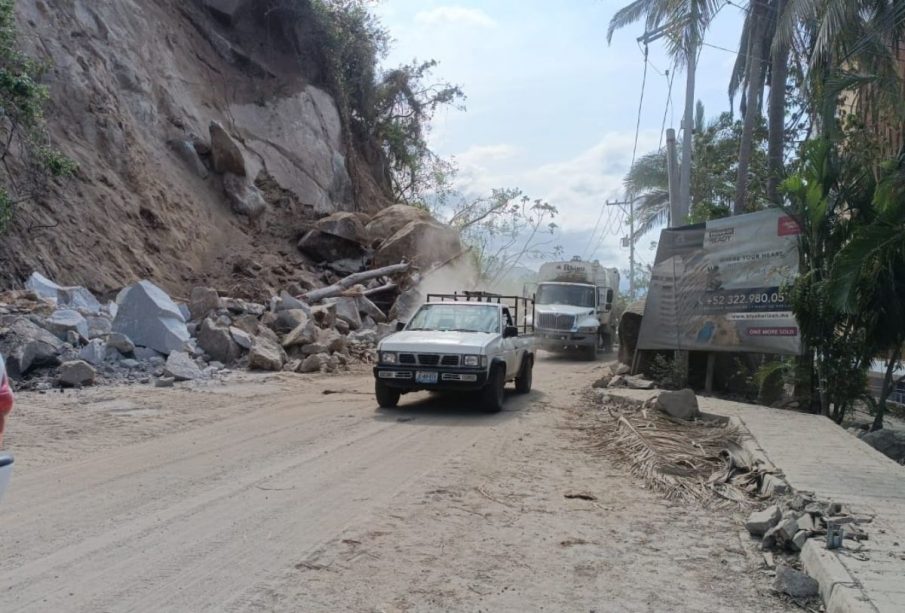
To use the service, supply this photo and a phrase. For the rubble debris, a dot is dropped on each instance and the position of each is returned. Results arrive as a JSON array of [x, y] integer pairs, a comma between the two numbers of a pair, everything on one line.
[[62, 321], [794, 583], [242, 338], [341, 287], [314, 363], [760, 521], [217, 341], [639, 383], [203, 301], [77, 373], [95, 352], [266, 354], [164, 382], [98, 326], [181, 367], [149, 317], [682, 404], [303, 334], [347, 310]]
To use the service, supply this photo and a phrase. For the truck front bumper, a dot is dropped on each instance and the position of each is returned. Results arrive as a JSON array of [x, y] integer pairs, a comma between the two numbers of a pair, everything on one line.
[[561, 340], [412, 379]]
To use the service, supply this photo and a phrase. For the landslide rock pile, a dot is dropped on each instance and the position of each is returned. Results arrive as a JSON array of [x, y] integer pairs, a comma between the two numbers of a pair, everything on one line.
[[54, 335]]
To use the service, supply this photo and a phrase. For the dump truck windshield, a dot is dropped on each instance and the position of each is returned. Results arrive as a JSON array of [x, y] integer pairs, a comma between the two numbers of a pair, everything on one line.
[[577, 295]]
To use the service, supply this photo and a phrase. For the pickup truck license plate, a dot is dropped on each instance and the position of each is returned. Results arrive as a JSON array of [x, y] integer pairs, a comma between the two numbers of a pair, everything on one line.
[[425, 377]]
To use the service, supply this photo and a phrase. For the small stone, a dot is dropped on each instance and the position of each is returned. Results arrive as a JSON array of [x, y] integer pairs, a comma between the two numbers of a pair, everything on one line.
[[640, 383], [314, 348], [164, 382], [806, 522], [289, 320], [301, 335], [181, 367], [787, 529], [77, 373], [130, 364], [217, 341], [342, 327], [602, 382], [622, 369], [332, 340], [800, 539], [760, 521], [292, 366], [121, 343], [794, 583]]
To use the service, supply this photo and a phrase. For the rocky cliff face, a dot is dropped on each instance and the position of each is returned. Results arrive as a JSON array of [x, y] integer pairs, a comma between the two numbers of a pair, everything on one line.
[[135, 86]]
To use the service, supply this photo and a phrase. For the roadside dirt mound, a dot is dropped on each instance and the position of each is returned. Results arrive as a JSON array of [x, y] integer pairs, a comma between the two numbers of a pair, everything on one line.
[[134, 87]]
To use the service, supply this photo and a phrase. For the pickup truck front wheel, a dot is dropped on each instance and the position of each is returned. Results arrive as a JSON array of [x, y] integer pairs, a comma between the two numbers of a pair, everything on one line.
[[387, 397], [523, 380], [493, 393]]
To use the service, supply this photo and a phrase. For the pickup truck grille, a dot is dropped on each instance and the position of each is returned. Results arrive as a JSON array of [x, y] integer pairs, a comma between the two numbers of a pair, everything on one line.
[[552, 321], [428, 359]]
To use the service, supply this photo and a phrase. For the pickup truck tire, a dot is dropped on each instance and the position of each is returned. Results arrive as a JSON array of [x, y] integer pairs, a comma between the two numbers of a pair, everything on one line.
[[387, 397], [494, 392], [523, 380]]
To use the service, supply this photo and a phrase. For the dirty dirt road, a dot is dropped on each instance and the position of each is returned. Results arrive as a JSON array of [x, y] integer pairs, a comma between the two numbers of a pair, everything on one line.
[[268, 494]]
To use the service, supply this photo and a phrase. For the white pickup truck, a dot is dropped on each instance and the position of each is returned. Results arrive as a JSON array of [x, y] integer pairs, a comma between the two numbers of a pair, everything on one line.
[[468, 342]]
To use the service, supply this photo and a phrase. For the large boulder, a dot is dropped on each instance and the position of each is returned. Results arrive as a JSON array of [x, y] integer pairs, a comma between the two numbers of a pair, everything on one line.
[[186, 151], [181, 367], [324, 247], [390, 220], [77, 373], [203, 301], [244, 198], [64, 321], [314, 363], [25, 346], [218, 342], [286, 321], [121, 343], [266, 355], [890, 443], [149, 317], [99, 326], [225, 152], [42, 286], [421, 242], [369, 309]]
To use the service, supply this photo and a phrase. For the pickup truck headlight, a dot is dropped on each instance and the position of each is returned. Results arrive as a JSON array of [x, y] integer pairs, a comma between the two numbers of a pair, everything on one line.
[[472, 360], [388, 357]]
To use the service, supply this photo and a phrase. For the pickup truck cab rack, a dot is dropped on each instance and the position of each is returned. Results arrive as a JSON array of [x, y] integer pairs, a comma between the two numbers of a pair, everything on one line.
[[516, 308]]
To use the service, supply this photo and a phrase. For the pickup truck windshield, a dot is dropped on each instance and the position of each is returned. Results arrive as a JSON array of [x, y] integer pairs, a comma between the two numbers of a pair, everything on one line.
[[461, 318], [576, 295]]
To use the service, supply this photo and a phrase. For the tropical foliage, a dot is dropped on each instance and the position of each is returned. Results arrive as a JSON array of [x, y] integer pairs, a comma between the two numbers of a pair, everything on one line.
[[27, 159]]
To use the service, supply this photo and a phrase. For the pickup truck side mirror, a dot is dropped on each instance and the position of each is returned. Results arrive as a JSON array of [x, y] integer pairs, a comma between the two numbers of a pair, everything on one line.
[[400, 326], [510, 331]]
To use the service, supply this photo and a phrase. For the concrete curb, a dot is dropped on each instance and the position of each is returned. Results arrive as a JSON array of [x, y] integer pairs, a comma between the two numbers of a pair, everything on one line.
[[840, 591]]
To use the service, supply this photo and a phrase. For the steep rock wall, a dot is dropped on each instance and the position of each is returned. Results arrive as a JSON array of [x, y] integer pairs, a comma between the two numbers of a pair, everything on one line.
[[130, 81]]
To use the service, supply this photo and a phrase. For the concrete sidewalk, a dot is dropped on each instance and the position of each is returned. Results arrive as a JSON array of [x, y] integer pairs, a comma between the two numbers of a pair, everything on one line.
[[818, 456]]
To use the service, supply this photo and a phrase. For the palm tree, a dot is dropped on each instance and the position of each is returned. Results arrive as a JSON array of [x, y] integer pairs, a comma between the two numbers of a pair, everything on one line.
[[713, 174], [855, 52], [869, 275]]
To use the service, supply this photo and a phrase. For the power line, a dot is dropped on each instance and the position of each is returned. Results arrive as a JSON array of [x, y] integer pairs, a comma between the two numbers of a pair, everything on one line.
[[670, 74]]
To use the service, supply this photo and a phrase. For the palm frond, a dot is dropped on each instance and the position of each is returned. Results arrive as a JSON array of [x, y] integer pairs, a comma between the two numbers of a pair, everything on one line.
[[628, 15]]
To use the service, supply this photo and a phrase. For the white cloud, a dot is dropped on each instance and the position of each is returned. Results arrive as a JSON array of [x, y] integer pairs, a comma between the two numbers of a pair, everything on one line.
[[458, 15]]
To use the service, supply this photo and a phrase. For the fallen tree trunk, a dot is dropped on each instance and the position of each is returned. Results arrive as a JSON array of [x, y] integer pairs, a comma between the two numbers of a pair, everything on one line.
[[337, 289], [379, 290]]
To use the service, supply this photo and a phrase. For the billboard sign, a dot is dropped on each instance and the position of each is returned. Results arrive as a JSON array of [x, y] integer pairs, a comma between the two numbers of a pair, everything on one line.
[[720, 286]]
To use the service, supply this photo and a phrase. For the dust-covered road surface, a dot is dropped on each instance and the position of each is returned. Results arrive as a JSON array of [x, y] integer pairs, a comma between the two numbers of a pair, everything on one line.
[[266, 494]]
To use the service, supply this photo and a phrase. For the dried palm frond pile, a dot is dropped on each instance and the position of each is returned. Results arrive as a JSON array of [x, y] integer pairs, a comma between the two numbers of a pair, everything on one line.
[[699, 461]]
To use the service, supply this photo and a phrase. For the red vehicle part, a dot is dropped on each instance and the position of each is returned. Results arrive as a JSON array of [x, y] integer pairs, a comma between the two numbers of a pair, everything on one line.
[[6, 397]]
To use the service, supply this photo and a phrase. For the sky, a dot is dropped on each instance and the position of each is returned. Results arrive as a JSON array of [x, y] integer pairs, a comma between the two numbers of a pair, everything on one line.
[[552, 108]]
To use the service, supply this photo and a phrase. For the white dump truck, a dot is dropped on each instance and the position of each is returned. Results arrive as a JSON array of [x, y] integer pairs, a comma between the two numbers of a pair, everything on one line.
[[468, 341], [574, 307]]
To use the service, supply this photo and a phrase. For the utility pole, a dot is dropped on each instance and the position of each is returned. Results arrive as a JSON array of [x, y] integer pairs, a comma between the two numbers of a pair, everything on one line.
[[630, 203], [672, 167], [684, 195]]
